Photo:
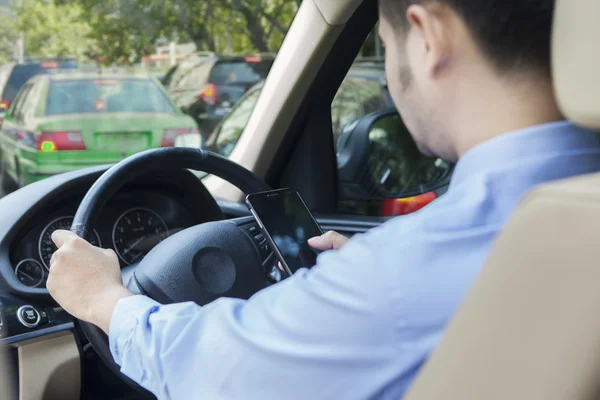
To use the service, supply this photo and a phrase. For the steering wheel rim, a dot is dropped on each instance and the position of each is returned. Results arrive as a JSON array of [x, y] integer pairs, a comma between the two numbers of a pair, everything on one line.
[[127, 170]]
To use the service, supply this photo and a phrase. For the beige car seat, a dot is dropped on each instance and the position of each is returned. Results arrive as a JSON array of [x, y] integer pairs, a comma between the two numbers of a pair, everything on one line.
[[530, 327]]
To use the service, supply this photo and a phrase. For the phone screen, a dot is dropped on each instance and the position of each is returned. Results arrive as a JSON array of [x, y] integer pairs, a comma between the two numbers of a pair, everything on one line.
[[288, 222]]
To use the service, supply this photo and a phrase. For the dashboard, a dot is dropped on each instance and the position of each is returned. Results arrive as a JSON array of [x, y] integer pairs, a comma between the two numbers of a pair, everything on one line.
[[131, 223]]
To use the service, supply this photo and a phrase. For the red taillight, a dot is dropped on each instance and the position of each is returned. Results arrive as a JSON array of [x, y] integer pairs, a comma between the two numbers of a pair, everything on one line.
[[209, 94], [408, 205], [64, 140], [5, 104], [253, 59], [106, 82], [49, 64], [170, 135]]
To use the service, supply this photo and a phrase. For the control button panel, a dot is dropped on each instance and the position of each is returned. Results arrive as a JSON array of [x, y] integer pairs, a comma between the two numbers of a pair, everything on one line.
[[29, 316], [269, 259], [19, 316], [261, 241], [44, 319]]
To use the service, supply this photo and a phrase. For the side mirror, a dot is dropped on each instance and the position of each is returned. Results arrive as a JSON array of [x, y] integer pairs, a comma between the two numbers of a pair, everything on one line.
[[378, 159]]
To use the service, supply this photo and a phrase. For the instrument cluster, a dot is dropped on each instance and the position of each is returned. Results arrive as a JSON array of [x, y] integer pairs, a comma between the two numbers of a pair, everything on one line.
[[131, 224]]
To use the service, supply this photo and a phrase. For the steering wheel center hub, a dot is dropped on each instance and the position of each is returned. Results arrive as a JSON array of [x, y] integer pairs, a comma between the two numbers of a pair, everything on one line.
[[214, 270], [198, 264]]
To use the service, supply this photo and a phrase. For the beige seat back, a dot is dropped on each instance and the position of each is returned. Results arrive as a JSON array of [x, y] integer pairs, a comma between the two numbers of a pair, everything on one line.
[[530, 327]]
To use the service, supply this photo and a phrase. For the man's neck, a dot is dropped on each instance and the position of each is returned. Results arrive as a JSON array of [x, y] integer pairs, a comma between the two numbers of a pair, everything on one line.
[[507, 108]]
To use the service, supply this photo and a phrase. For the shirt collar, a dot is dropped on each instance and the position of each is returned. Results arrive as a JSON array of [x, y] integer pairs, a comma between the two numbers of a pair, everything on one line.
[[524, 143]]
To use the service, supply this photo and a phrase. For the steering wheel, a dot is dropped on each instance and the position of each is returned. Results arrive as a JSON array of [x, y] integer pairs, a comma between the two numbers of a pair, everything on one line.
[[199, 264]]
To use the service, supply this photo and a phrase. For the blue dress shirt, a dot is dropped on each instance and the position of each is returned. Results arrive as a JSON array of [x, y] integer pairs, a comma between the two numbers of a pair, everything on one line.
[[361, 323]]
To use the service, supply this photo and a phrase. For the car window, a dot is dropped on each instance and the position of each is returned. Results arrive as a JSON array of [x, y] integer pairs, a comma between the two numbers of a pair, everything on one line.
[[196, 76], [105, 95], [240, 72], [166, 51], [371, 94], [18, 105], [179, 73], [22, 73], [233, 125], [30, 101], [345, 108], [392, 153]]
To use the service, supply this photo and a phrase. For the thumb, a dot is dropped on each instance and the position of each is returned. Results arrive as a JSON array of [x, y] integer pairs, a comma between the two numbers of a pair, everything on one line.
[[60, 237], [328, 241]]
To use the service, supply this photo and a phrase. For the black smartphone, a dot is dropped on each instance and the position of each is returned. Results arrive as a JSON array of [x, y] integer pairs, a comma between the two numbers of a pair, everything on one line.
[[288, 224]]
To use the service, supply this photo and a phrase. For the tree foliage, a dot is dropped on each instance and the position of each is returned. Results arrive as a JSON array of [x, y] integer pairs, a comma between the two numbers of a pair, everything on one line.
[[8, 37], [52, 29], [123, 31]]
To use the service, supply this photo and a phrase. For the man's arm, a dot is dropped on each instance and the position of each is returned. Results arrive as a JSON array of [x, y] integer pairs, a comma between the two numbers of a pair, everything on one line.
[[330, 332]]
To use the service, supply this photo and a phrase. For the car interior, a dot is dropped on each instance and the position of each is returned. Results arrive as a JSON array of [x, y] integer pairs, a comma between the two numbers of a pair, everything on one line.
[[527, 329]]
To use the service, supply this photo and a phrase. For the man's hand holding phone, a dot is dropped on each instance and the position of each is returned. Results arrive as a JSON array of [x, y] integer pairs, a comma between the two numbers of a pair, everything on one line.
[[328, 241]]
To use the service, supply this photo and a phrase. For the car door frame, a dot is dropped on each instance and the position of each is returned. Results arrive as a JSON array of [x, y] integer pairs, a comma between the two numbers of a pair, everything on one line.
[[306, 157]]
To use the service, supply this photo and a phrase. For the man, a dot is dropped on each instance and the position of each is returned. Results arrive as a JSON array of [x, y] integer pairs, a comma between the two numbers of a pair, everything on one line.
[[472, 82]]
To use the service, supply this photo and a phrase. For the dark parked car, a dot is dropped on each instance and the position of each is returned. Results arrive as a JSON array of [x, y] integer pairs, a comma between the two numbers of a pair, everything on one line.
[[13, 76], [206, 88]]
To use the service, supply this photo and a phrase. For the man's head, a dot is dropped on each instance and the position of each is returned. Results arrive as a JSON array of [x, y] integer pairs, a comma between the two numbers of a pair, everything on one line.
[[447, 60]]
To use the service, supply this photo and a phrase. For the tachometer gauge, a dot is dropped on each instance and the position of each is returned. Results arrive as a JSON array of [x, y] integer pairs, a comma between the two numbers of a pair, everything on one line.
[[47, 247], [136, 232], [30, 272]]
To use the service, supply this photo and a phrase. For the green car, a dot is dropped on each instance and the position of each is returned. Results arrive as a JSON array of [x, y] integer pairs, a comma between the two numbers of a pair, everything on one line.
[[63, 122]]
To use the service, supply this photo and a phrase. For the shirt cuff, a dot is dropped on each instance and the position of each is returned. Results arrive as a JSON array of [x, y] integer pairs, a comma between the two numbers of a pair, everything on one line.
[[126, 316]]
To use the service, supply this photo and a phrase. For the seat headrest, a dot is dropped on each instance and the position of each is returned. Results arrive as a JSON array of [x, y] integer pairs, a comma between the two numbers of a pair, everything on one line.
[[576, 60]]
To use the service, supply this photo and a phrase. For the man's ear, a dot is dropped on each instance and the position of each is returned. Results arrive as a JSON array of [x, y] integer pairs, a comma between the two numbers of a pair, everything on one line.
[[433, 41]]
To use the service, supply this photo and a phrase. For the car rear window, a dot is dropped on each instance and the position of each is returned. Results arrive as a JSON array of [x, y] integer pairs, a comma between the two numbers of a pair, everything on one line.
[[240, 72], [106, 95], [23, 72]]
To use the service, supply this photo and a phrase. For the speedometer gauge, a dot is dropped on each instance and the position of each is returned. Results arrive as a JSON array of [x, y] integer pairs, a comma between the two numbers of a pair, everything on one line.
[[30, 272], [136, 232], [47, 247]]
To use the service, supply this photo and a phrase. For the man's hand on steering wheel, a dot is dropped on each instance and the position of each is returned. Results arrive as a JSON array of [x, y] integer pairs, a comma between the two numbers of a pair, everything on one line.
[[85, 280]]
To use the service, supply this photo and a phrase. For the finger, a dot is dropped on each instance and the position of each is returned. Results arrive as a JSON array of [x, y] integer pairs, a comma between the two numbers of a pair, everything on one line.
[[60, 237], [323, 242], [339, 241]]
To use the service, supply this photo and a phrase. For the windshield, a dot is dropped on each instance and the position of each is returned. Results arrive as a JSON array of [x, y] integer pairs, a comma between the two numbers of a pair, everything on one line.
[[126, 76], [106, 95]]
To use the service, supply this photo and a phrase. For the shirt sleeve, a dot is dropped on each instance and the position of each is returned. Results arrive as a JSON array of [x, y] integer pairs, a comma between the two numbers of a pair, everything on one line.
[[325, 333]]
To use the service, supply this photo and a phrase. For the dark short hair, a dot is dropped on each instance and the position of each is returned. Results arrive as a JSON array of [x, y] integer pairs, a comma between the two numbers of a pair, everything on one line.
[[513, 34]]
